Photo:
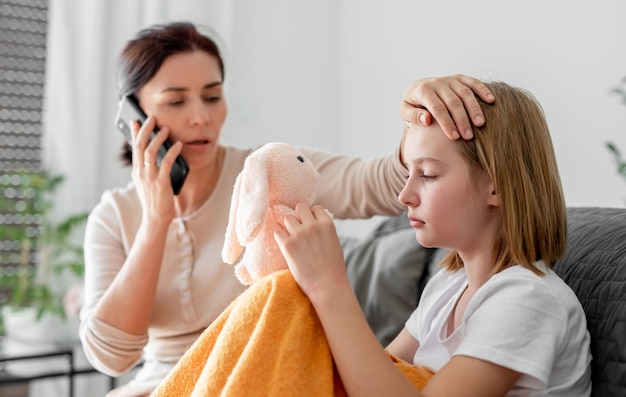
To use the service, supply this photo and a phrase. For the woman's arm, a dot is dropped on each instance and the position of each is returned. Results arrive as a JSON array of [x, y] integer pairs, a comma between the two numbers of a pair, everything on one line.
[[124, 246], [352, 187], [133, 290], [113, 338], [128, 301]]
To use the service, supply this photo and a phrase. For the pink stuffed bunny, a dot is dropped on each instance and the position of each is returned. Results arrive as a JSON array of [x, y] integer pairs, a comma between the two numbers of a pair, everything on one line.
[[274, 179]]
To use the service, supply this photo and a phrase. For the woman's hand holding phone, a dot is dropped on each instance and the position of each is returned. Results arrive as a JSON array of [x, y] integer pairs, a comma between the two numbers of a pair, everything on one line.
[[128, 111], [153, 183]]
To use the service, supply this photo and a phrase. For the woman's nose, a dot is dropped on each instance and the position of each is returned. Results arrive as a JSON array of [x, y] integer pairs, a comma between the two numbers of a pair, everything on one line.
[[201, 114]]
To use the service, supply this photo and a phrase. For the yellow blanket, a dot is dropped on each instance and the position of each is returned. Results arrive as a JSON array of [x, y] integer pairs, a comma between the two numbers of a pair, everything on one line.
[[268, 342]]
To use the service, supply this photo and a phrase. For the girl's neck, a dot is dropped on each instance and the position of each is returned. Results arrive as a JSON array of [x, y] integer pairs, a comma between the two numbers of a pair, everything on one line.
[[478, 255], [479, 268]]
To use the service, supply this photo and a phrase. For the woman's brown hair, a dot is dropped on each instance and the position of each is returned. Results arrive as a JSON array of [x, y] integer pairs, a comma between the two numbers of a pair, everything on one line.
[[514, 148]]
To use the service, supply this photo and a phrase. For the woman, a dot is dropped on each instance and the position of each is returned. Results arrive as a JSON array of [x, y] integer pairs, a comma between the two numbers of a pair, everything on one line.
[[154, 278]]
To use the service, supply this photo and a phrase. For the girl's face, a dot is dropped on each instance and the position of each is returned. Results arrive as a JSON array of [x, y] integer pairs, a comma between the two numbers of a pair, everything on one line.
[[450, 204], [186, 95]]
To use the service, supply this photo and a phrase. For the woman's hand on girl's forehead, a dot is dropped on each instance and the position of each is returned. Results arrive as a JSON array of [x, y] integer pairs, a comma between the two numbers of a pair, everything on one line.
[[450, 100]]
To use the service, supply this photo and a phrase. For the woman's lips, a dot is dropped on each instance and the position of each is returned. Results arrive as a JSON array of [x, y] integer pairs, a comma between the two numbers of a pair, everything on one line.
[[198, 144]]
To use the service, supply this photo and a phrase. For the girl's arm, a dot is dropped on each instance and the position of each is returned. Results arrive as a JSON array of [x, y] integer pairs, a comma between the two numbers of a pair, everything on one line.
[[404, 346], [313, 252]]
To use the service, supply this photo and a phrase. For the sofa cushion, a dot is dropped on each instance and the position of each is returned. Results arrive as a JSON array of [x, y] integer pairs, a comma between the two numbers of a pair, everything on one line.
[[595, 268]]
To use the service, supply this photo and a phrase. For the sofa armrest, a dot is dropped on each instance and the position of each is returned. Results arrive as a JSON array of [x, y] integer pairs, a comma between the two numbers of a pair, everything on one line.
[[594, 266]]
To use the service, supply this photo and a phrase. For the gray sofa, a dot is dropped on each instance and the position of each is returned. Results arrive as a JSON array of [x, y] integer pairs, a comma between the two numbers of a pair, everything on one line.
[[389, 269]]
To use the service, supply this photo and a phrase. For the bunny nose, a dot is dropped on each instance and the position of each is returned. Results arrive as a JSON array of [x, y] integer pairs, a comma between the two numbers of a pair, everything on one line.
[[300, 159]]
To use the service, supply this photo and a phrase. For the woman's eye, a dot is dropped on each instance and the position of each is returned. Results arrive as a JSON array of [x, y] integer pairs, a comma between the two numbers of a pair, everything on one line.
[[212, 98], [428, 177], [176, 103]]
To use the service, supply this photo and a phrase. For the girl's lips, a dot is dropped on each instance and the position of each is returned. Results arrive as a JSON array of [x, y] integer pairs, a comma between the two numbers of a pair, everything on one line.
[[415, 222]]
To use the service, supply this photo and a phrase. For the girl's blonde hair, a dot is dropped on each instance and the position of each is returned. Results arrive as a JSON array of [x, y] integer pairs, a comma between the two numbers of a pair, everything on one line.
[[514, 148]]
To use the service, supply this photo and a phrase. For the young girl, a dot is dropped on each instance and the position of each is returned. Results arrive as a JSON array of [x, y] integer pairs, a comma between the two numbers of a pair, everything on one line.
[[496, 321]]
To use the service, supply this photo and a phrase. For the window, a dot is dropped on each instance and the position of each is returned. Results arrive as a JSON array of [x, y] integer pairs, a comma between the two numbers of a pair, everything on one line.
[[23, 28]]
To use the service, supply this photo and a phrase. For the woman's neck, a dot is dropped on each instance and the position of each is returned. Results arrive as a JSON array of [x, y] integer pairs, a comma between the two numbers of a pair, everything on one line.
[[199, 185]]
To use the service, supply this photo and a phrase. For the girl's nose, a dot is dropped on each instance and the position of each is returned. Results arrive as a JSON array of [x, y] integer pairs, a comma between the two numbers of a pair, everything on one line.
[[408, 197]]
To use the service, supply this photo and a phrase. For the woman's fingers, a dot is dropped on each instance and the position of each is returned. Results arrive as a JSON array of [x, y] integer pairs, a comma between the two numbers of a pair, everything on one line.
[[466, 88], [147, 165], [449, 100], [477, 87]]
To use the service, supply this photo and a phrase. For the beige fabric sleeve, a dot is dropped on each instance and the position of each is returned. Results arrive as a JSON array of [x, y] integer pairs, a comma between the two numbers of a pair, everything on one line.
[[359, 188], [108, 349]]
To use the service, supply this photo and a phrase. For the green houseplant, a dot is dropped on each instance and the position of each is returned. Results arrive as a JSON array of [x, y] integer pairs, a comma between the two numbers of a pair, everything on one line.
[[620, 161], [43, 251]]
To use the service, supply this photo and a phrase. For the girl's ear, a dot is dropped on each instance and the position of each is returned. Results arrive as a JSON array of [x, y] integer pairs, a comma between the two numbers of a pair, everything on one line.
[[487, 187], [494, 198]]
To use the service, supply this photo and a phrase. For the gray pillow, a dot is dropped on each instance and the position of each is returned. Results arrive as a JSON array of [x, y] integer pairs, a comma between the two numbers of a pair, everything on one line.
[[386, 271]]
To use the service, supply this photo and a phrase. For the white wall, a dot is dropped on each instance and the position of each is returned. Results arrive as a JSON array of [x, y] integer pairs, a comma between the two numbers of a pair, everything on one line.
[[568, 53], [331, 73]]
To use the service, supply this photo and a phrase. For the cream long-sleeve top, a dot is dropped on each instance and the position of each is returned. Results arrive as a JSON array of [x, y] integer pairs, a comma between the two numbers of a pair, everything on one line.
[[195, 285]]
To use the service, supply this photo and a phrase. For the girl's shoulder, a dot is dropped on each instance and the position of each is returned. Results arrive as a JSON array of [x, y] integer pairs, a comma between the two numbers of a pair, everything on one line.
[[519, 285], [518, 276]]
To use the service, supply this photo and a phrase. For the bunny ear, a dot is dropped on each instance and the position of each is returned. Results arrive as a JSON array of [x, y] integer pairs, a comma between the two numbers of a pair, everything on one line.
[[232, 250], [254, 198]]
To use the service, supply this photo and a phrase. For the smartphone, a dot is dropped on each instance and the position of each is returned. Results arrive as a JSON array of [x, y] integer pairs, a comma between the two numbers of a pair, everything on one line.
[[130, 110]]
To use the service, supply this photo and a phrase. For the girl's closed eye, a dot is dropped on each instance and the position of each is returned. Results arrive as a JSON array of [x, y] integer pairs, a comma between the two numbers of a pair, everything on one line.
[[427, 173]]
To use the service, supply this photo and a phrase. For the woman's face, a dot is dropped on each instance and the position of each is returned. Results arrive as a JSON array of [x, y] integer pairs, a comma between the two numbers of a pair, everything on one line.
[[186, 95]]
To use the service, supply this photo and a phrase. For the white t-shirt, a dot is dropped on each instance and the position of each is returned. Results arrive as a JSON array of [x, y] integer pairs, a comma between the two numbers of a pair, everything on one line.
[[529, 323]]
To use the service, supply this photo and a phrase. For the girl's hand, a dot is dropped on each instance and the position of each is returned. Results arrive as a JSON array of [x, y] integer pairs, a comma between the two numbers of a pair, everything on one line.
[[450, 100], [153, 182], [312, 249]]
